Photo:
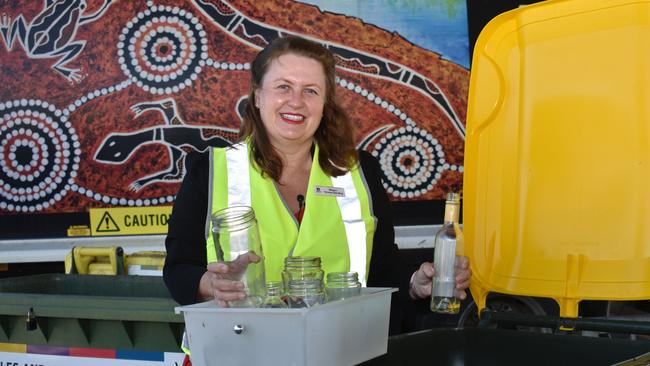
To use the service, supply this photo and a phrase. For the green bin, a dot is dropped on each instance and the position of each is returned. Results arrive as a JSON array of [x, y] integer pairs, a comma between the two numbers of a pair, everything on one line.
[[87, 311]]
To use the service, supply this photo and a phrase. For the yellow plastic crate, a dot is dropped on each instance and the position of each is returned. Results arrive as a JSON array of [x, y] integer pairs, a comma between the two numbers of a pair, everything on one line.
[[95, 261], [557, 159], [146, 263]]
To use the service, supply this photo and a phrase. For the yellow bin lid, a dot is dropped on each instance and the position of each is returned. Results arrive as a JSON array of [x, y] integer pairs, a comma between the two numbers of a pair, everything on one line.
[[557, 156]]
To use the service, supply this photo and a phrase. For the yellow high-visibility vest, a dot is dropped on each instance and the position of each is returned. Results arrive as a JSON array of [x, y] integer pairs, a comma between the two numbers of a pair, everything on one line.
[[338, 225]]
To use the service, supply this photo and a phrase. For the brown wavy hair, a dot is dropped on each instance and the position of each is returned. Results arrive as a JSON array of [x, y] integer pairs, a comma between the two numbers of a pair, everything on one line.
[[337, 153]]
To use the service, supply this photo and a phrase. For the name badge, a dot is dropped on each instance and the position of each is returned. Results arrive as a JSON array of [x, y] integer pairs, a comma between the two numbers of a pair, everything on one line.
[[329, 191]]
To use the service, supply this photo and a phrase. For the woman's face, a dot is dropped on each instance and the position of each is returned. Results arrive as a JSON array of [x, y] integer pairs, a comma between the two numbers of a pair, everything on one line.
[[291, 99]]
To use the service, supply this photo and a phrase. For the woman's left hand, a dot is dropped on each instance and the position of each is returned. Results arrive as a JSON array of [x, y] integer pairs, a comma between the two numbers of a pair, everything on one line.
[[421, 282]]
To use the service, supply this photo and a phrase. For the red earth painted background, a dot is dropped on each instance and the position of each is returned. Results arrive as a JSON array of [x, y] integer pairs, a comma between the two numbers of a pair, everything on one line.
[[100, 103]]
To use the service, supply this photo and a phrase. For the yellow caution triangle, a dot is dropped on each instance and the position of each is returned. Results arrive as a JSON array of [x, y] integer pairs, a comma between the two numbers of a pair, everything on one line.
[[107, 224]]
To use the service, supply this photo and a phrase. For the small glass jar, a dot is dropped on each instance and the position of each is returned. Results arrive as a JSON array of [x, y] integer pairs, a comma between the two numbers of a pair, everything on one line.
[[305, 293], [302, 268], [342, 285], [274, 293], [236, 233]]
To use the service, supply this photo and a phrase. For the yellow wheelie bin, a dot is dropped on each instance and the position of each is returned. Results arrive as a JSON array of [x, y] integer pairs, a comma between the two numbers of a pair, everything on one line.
[[557, 157], [556, 187], [556, 194]]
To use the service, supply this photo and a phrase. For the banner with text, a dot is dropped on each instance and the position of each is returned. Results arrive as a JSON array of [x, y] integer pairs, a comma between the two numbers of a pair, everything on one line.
[[129, 220], [30, 359]]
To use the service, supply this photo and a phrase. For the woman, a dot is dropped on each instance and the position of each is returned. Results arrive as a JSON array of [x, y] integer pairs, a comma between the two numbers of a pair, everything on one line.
[[296, 139]]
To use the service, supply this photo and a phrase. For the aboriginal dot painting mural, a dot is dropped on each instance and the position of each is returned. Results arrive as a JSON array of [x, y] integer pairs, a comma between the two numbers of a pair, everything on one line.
[[101, 101]]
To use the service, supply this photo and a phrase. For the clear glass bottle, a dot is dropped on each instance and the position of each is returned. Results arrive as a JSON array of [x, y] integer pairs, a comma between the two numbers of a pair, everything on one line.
[[274, 293], [301, 268], [448, 240], [235, 233], [305, 293], [342, 285]]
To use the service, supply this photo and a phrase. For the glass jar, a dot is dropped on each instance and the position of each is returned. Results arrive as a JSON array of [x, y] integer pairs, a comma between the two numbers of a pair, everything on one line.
[[274, 293], [235, 234], [302, 268], [342, 285], [305, 293]]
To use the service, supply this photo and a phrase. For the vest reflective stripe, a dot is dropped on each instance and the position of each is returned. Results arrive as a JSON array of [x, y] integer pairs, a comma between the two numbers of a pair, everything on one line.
[[239, 183], [355, 228], [218, 198], [185, 344], [278, 228]]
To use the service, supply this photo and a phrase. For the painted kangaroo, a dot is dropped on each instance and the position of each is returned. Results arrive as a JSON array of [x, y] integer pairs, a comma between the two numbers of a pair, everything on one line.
[[51, 34], [178, 137]]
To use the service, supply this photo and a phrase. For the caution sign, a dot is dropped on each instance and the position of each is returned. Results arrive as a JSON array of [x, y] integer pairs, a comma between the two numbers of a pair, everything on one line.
[[129, 220]]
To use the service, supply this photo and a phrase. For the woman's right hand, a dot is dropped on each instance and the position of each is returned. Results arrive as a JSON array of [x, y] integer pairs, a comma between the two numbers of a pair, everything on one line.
[[222, 280]]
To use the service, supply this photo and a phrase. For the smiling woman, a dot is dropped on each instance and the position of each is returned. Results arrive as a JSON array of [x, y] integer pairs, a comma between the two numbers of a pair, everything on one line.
[[291, 100], [312, 193], [293, 81]]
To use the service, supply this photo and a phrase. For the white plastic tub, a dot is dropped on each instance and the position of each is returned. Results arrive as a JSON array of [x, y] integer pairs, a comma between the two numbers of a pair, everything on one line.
[[340, 333]]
